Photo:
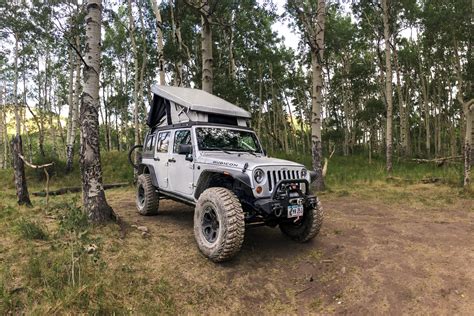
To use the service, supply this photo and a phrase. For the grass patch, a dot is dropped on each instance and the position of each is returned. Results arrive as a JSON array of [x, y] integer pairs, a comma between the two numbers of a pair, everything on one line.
[[346, 172], [31, 230], [115, 168]]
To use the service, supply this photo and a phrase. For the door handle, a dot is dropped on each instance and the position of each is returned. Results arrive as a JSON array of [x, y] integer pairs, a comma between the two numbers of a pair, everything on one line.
[[171, 160], [156, 159]]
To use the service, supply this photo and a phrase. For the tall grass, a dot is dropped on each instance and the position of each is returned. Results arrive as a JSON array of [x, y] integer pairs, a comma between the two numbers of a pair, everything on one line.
[[115, 168], [350, 170]]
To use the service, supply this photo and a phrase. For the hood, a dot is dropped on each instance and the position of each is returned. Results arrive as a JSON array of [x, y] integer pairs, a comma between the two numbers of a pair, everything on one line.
[[237, 161]]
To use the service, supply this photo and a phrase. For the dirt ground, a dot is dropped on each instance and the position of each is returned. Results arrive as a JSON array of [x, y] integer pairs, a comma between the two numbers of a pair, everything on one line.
[[375, 254]]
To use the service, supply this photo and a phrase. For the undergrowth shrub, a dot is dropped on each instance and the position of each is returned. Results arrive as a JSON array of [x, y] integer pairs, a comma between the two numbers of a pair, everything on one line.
[[31, 229], [72, 218]]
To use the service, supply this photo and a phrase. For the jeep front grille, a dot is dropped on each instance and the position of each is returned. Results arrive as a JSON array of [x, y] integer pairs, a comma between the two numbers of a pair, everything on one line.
[[275, 176]]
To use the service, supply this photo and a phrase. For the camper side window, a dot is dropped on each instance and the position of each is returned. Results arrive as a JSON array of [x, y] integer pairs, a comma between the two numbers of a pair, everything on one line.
[[163, 142]]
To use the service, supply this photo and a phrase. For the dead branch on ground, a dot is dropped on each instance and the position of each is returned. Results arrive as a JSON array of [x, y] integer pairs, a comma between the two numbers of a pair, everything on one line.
[[44, 167]]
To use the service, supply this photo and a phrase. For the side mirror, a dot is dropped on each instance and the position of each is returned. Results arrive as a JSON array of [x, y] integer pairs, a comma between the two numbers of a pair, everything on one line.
[[185, 149]]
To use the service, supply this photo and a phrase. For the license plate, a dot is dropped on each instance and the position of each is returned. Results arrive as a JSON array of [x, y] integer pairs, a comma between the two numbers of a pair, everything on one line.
[[295, 210]]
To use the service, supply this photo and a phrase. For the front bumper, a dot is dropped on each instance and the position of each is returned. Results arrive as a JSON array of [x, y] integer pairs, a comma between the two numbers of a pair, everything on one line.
[[287, 192]]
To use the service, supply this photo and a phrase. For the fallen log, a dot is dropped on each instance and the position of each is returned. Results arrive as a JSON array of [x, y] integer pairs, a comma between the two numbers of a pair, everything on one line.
[[438, 161], [66, 190], [442, 159]]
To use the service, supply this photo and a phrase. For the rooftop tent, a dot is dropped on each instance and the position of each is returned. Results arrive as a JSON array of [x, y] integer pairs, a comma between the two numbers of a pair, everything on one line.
[[172, 105]]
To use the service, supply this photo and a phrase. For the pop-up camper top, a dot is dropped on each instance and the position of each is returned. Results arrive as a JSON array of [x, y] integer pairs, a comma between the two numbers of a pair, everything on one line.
[[174, 105]]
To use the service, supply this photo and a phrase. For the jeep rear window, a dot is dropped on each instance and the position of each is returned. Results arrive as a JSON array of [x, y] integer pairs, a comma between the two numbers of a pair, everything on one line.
[[213, 138], [149, 143], [163, 142]]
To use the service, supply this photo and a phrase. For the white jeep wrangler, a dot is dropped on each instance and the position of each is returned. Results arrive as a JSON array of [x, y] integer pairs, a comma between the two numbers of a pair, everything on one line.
[[199, 151]]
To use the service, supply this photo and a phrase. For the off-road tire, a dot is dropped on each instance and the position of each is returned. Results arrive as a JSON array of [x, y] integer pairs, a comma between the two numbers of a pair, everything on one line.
[[147, 200], [309, 226], [230, 216]]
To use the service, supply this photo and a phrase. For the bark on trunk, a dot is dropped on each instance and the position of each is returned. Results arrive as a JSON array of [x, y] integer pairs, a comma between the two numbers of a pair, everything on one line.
[[402, 109], [159, 40], [206, 47], [95, 203], [176, 31], [141, 88], [467, 146], [388, 86], [5, 131], [70, 113], [136, 70], [19, 172], [317, 55], [2, 136], [317, 101], [467, 107], [75, 112], [15, 89], [346, 107], [426, 108]]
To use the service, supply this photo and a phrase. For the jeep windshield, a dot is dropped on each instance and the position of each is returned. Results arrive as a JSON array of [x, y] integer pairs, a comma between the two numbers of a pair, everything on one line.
[[225, 139]]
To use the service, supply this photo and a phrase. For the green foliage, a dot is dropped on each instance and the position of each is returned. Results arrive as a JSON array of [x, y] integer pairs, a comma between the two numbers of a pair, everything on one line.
[[72, 218], [31, 230]]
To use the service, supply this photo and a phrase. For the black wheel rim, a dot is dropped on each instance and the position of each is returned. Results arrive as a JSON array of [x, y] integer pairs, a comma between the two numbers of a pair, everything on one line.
[[141, 195], [210, 225]]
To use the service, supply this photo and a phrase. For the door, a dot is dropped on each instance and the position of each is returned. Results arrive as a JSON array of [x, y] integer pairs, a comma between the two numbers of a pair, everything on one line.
[[161, 158], [180, 168]]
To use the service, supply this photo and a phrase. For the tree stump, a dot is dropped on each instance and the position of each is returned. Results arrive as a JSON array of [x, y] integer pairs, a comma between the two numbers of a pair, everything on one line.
[[19, 172]]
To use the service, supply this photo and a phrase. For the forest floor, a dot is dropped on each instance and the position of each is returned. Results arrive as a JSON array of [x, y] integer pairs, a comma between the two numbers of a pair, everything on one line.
[[392, 251], [383, 248]]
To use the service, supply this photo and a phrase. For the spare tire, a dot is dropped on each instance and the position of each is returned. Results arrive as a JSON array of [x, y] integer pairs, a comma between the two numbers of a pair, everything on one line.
[[130, 152]]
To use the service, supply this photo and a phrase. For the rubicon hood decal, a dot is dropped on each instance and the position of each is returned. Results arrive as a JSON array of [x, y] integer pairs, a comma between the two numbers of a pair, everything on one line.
[[225, 163], [238, 161]]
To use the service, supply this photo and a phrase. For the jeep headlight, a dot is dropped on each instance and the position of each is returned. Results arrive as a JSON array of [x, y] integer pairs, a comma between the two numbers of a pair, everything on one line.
[[304, 173], [259, 175]]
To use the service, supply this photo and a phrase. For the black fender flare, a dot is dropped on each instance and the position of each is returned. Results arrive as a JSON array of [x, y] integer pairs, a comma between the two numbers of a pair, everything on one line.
[[144, 168], [206, 175]]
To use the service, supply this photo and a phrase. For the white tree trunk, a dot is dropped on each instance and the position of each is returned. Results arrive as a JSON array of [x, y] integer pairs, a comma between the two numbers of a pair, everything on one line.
[[388, 85], [317, 55], [402, 109], [93, 194], [206, 48], [75, 111], [15, 90], [70, 100], [2, 128], [159, 40], [131, 26], [176, 31]]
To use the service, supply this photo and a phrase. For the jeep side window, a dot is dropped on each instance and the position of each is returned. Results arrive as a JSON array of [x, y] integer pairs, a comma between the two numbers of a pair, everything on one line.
[[149, 142], [163, 142], [182, 137]]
